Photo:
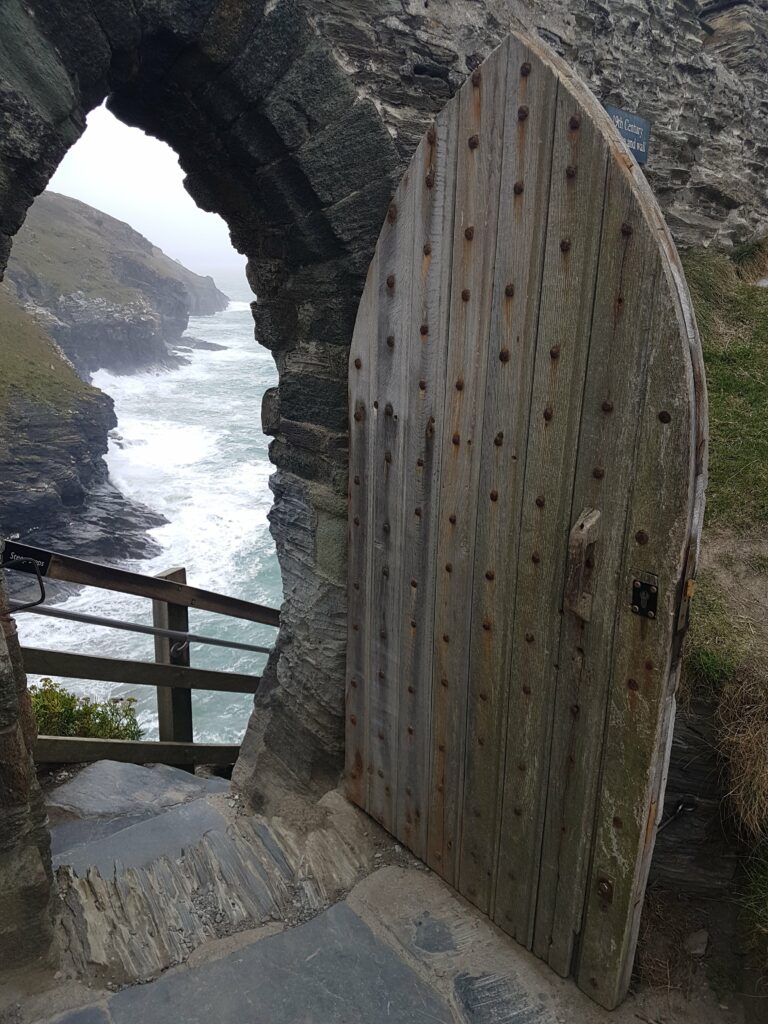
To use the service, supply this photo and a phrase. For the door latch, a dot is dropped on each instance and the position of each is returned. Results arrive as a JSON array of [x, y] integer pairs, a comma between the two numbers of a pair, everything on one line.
[[644, 599]]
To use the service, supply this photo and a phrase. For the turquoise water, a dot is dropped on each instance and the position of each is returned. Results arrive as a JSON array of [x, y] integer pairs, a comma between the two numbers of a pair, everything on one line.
[[189, 445]]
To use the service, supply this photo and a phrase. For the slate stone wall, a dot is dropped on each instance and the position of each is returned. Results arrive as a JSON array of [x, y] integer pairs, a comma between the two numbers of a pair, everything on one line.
[[294, 120]]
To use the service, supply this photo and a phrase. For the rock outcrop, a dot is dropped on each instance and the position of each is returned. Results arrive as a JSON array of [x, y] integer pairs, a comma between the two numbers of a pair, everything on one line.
[[108, 297], [53, 437]]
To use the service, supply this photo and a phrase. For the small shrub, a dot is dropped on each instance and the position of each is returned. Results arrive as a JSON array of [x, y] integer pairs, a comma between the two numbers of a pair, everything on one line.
[[61, 713]]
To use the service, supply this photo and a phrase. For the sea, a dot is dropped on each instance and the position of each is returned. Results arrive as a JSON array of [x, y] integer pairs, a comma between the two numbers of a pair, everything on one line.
[[189, 446]]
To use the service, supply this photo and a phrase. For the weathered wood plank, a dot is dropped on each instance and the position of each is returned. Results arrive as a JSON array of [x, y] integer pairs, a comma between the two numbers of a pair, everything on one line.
[[567, 297], [135, 673], [107, 577], [623, 326], [387, 479], [643, 671], [358, 684], [525, 196], [478, 172], [174, 705], [434, 183], [74, 750]]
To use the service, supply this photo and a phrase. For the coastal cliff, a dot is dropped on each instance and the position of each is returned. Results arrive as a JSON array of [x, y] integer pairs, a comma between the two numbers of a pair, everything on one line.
[[107, 296]]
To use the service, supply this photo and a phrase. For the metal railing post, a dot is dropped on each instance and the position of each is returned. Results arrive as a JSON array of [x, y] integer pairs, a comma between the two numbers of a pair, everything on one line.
[[174, 706]]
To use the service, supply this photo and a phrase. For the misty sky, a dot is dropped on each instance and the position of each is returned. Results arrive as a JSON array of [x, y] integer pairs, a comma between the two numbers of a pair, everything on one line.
[[136, 178]]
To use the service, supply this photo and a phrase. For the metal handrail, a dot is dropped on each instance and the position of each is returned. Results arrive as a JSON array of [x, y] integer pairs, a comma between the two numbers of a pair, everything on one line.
[[135, 627]]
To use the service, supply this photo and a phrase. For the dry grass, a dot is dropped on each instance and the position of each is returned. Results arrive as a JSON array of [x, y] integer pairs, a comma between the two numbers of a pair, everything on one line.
[[742, 719]]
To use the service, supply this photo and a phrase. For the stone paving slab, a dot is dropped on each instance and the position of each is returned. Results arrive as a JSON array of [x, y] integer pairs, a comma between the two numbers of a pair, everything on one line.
[[166, 835], [111, 788], [331, 970]]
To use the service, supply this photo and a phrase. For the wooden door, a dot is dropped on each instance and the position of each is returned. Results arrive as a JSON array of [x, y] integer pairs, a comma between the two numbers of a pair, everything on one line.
[[527, 465]]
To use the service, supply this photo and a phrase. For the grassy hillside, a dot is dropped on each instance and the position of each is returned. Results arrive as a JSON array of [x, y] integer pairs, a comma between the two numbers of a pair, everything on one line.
[[33, 368], [69, 246]]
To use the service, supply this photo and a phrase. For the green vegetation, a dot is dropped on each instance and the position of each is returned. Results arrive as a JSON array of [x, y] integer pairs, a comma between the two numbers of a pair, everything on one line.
[[716, 646], [727, 646], [33, 367], [61, 713], [732, 314]]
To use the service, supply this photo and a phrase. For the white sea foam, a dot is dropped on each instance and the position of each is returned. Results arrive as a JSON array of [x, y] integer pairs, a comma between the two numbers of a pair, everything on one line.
[[189, 445]]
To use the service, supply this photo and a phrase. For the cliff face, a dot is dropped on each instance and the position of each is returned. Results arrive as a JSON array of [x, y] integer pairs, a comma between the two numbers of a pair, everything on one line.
[[54, 488], [108, 297], [53, 426]]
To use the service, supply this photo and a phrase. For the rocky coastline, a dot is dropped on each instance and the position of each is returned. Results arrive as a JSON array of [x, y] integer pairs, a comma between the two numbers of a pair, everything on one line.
[[83, 292]]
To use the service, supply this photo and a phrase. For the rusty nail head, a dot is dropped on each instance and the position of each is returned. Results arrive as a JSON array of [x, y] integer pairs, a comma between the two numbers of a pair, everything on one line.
[[494, 495], [626, 230], [555, 352], [429, 181], [598, 472], [474, 141], [422, 385], [357, 479], [469, 233], [548, 413], [525, 69], [641, 537], [535, 557], [391, 341], [605, 890], [417, 511], [664, 416], [509, 291], [456, 439], [358, 416], [518, 188], [419, 462], [529, 638], [448, 567], [388, 410], [540, 501], [356, 520], [476, 77], [607, 406], [522, 113], [465, 295], [570, 171], [391, 281], [499, 439], [452, 518], [565, 245], [575, 123], [424, 330], [387, 456], [459, 384], [504, 355], [427, 248], [358, 363], [490, 575]]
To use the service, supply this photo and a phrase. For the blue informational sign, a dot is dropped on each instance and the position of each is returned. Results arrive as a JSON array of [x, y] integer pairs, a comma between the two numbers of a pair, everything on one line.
[[635, 131]]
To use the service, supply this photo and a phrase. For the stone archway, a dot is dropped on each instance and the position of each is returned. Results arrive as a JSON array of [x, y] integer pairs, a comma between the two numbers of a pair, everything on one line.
[[294, 120]]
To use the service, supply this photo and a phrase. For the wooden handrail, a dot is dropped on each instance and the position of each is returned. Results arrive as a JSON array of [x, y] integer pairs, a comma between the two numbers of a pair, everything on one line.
[[41, 662], [77, 570], [75, 749]]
